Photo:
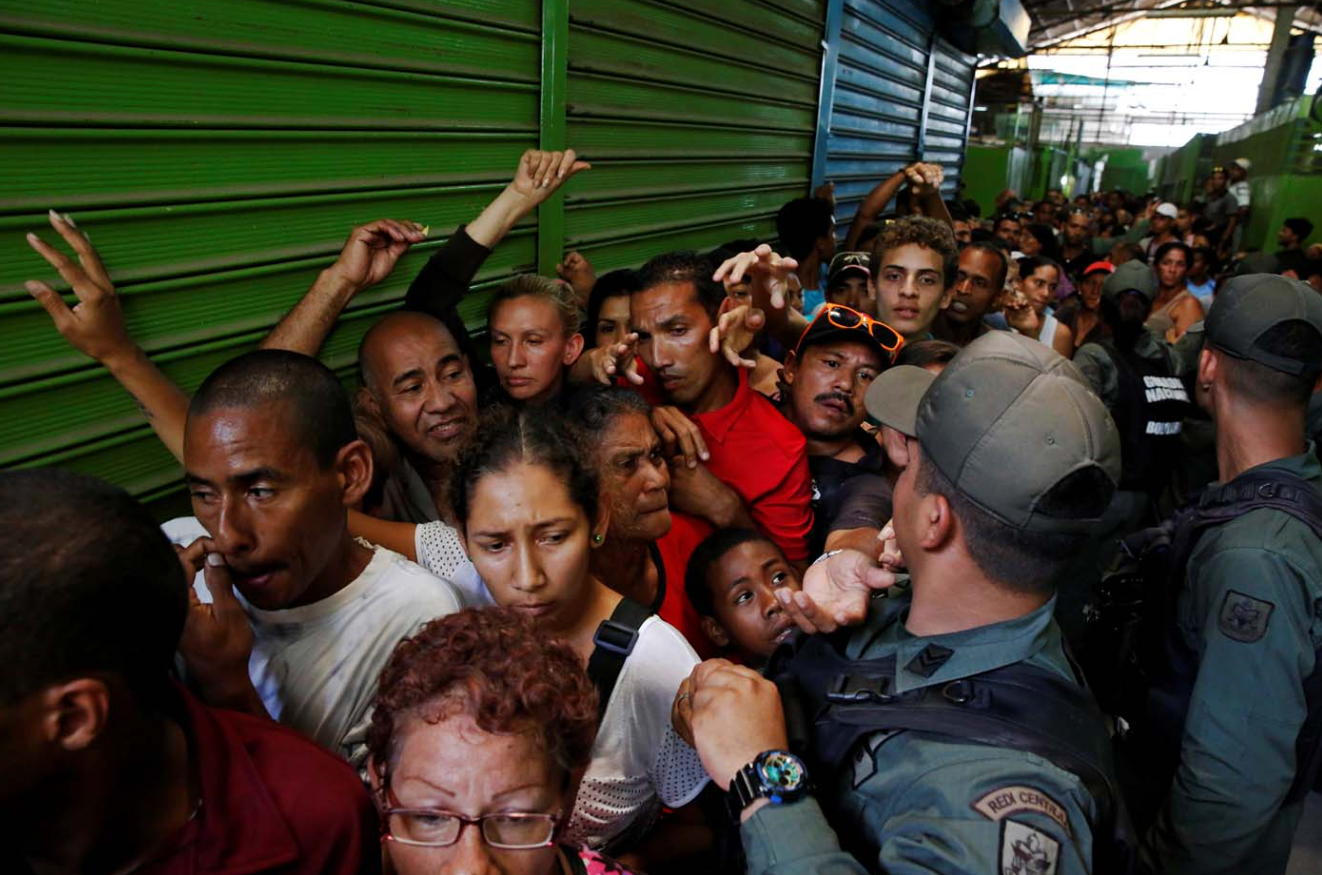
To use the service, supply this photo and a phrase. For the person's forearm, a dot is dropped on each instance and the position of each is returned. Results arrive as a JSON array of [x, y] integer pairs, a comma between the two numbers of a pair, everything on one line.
[[863, 539], [304, 328], [235, 693], [872, 206], [1135, 233], [501, 215], [932, 205], [163, 403], [786, 325]]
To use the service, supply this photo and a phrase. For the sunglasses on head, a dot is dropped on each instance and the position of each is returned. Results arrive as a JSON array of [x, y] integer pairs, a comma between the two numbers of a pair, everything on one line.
[[841, 316]]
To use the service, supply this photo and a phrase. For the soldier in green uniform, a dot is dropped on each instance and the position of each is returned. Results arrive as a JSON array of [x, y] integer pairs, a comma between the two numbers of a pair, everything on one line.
[[1249, 609], [1009, 459]]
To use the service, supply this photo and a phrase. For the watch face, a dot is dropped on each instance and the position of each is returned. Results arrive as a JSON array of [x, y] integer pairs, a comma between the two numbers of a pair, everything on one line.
[[782, 770]]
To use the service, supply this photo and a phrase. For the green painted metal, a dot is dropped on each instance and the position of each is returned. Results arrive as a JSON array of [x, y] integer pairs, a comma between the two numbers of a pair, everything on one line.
[[218, 152], [1286, 180], [698, 117], [555, 44]]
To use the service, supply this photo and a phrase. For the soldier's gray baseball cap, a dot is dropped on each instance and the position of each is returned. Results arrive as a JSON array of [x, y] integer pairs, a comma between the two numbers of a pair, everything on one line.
[[1132, 276], [1247, 307], [1006, 422]]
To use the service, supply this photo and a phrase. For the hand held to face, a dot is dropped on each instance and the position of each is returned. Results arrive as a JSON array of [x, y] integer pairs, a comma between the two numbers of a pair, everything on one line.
[[217, 640]]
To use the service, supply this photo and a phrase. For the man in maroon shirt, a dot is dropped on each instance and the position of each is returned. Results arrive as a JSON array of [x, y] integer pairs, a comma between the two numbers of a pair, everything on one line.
[[753, 449], [108, 766]]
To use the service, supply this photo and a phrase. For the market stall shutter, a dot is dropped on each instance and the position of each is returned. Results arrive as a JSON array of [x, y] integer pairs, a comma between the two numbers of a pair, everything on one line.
[[897, 92], [698, 118]]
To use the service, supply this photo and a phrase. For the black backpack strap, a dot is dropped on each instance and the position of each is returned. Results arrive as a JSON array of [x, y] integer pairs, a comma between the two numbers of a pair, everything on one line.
[[614, 640]]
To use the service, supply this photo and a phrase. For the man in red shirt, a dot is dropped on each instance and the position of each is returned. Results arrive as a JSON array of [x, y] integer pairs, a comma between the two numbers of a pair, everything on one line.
[[108, 766], [752, 448]]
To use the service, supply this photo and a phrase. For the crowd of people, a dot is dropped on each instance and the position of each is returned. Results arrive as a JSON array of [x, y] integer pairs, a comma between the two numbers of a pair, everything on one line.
[[772, 558]]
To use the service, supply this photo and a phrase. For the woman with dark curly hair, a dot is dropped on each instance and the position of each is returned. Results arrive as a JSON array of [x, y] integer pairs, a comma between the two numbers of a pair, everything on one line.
[[480, 729]]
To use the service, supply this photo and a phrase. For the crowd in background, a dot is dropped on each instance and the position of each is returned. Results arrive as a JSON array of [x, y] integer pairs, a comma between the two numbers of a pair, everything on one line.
[[516, 605]]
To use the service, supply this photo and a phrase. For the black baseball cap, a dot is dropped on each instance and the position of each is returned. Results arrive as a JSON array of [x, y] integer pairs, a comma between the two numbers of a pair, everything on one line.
[[1006, 422], [846, 263], [1247, 307], [838, 323]]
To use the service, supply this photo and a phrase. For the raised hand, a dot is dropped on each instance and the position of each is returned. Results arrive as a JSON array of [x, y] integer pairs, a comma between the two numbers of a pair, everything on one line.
[[217, 640], [836, 592], [826, 191], [771, 276], [373, 250], [735, 330], [95, 325], [731, 714], [617, 359], [541, 173], [1020, 315], [577, 271], [680, 435]]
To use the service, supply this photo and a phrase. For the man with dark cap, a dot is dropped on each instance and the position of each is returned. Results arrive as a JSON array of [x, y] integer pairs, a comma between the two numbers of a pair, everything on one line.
[[997, 492], [849, 282], [1239, 683], [109, 766], [826, 377], [1135, 375]]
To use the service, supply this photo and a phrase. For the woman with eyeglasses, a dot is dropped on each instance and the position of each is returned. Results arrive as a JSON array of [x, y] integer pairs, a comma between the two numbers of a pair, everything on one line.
[[480, 730]]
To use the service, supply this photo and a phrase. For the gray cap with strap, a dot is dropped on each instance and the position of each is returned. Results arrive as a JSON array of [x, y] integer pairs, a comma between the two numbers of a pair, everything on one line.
[[1132, 276], [1006, 422], [1247, 307]]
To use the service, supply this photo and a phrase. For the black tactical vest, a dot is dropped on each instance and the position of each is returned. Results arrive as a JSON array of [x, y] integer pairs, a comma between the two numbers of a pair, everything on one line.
[[1152, 404]]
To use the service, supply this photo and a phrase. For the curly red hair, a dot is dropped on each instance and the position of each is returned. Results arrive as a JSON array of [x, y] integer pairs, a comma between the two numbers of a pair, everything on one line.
[[495, 666]]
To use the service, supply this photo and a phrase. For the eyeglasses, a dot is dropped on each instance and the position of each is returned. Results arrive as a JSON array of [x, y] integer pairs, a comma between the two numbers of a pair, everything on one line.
[[845, 317], [435, 828]]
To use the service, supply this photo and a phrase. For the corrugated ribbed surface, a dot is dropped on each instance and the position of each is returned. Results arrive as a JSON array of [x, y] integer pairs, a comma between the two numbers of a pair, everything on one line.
[[877, 118], [218, 152], [698, 118]]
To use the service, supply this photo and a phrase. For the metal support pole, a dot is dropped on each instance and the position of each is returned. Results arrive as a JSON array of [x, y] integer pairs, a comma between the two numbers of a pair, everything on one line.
[[555, 79], [821, 146], [1271, 73]]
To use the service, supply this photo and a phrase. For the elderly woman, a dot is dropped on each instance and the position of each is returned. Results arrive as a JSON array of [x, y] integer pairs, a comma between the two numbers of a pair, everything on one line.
[[480, 731]]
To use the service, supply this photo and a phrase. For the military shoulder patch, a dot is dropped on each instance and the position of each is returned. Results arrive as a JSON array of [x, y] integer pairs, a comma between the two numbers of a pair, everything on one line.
[[1027, 851], [1244, 618], [1017, 799]]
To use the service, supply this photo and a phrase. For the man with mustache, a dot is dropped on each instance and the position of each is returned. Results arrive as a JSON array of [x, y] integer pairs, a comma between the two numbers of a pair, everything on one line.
[[825, 379]]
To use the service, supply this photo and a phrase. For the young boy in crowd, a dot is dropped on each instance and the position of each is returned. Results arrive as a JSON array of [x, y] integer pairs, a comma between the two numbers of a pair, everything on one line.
[[731, 581]]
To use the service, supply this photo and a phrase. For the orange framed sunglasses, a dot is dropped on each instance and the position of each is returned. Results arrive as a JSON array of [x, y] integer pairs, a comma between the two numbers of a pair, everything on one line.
[[840, 316]]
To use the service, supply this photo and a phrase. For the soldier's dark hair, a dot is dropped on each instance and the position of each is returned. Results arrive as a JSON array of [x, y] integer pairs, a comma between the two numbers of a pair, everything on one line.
[[801, 223], [685, 266], [697, 583], [89, 585], [507, 436], [309, 395], [1023, 561], [1295, 339]]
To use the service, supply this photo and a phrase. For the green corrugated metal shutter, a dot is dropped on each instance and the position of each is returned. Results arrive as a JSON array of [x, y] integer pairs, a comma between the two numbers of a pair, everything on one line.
[[217, 152], [899, 92], [698, 118]]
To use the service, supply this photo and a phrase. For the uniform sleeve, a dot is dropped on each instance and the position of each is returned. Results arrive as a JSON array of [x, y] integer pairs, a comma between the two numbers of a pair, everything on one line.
[[784, 513], [794, 840], [1237, 757], [1099, 371]]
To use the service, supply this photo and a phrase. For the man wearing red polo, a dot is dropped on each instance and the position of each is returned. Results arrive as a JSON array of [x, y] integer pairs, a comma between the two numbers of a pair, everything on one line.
[[752, 448]]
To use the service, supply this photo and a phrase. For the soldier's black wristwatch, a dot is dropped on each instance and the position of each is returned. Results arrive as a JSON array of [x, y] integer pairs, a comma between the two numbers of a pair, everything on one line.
[[775, 774]]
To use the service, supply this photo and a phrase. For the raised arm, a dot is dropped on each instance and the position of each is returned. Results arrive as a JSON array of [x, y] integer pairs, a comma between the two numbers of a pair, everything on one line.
[[444, 280], [882, 193], [770, 278], [95, 327], [368, 257]]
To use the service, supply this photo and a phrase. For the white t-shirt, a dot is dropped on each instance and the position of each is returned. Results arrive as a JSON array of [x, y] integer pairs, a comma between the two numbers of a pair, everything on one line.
[[440, 551], [315, 667], [638, 761]]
